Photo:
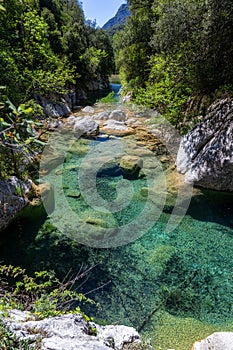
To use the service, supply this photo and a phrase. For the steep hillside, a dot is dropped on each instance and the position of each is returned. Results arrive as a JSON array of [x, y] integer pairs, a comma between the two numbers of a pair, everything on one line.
[[118, 21]]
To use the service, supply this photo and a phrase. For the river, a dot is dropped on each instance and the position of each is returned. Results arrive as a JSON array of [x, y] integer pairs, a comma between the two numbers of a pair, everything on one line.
[[175, 287]]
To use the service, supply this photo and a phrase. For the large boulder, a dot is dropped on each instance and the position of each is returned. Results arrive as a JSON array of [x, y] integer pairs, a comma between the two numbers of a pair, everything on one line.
[[216, 341], [69, 332], [118, 115], [88, 109], [205, 155], [86, 127]]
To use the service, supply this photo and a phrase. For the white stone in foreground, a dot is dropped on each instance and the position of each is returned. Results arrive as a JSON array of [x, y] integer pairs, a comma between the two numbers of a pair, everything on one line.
[[216, 341], [70, 332]]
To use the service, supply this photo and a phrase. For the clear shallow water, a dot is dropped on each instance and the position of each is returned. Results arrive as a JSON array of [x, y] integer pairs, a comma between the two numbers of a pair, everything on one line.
[[174, 287]]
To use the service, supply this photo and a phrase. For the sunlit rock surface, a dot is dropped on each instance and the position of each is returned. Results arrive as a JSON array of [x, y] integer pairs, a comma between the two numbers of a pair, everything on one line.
[[70, 332], [216, 341], [206, 153]]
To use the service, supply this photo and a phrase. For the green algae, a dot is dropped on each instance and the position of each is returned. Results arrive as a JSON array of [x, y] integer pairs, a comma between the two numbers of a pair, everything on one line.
[[180, 333]]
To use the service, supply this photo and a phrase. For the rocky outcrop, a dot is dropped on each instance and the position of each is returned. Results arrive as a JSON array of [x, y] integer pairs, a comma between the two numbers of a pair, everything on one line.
[[70, 332], [216, 341], [205, 155], [12, 199], [54, 108], [118, 21]]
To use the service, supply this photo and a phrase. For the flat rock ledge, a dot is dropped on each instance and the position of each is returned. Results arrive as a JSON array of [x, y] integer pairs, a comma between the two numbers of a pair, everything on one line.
[[205, 155], [70, 332]]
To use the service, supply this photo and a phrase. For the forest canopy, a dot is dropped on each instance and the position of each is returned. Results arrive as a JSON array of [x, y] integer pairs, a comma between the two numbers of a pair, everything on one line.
[[48, 47], [172, 51]]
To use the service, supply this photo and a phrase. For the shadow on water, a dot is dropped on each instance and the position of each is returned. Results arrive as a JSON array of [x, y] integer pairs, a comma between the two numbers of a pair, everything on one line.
[[93, 97], [212, 206], [209, 206]]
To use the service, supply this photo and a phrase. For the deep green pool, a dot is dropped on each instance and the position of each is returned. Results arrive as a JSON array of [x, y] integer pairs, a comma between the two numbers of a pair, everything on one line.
[[175, 287]]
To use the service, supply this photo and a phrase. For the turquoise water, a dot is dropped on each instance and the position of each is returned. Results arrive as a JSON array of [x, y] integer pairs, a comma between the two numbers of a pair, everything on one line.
[[159, 279], [92, 97]]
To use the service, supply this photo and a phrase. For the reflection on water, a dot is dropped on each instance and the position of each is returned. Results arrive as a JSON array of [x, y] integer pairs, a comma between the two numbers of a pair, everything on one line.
[[116, 88]]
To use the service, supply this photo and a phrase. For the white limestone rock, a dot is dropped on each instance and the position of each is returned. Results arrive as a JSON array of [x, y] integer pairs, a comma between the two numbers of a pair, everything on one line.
[[88, 109], [216, 341], [205, 155], [85, 126], [103, 115], [115, 125], [118, 115], [70, 332]]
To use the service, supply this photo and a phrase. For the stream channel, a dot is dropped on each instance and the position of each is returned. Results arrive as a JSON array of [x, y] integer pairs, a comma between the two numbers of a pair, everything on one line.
[[174, 287]]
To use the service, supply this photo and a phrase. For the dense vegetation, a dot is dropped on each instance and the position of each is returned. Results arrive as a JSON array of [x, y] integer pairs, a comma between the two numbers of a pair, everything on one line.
[[172, 52], [47, 49]]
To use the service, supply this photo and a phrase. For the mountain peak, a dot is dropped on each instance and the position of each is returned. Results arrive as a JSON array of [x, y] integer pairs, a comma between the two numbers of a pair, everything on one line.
[[118, 21]]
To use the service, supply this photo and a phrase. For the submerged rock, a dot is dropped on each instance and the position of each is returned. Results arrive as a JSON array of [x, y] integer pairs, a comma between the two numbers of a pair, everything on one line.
[[216, 341], [205, 155], [131, 165], [69, 332]]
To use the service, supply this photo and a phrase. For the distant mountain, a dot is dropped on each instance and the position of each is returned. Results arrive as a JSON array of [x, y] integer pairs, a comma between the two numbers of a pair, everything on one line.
[[118, 21]]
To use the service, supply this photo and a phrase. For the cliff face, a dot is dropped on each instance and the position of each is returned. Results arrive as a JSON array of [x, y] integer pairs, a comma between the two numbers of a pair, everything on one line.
[[118, 21], [206, 152]]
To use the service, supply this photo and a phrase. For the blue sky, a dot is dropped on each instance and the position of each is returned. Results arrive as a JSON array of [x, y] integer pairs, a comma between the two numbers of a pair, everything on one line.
[[101, 10]]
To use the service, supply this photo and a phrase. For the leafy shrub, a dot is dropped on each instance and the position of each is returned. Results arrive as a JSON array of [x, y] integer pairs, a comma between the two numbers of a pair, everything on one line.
[[166, 89], [42, 294], [8, 341]]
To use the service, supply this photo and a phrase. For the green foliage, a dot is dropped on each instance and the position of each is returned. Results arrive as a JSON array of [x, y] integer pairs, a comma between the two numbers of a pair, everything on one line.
[[110, 98], [42, 294], [19, 135], [132, 46], [171, 52], [166, 89], [92, 57], [46, 47], [8, 341]]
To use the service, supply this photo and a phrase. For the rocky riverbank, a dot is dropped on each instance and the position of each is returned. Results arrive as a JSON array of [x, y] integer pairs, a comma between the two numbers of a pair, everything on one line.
[[102, 122], [73, 332], [206, 153], [70, 332]]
